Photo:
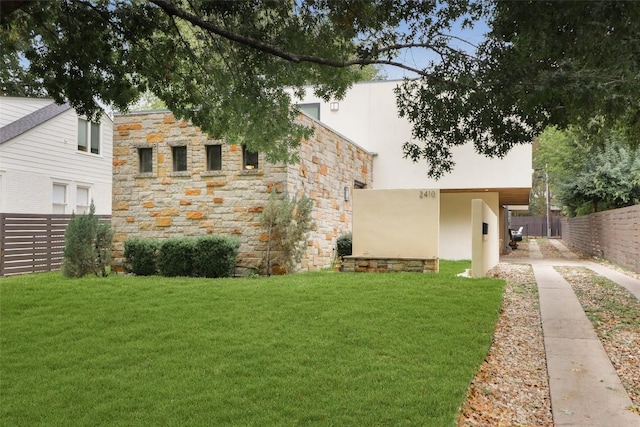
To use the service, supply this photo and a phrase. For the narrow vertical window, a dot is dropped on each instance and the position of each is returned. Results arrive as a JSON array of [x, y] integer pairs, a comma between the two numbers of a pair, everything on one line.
[[82, 200], [95, 138], [83, 127], [249, 158], [88, 136], [59, 198], [214, 157], [145, 160], [179, 158]]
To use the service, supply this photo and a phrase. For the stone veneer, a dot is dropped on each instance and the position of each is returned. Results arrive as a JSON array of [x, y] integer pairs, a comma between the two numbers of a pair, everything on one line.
[[197, 202], [386, 265]]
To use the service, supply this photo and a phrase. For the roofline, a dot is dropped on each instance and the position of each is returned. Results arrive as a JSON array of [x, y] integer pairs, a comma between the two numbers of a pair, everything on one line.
[[30, 121]]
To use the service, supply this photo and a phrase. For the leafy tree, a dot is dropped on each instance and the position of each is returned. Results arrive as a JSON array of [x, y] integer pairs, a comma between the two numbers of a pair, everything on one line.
[[148, 101], [87, 246], [589, 176], [287, 221], [225, 65]]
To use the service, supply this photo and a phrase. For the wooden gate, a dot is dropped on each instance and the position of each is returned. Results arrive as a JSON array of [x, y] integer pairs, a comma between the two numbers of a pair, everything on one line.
[[537, 225]]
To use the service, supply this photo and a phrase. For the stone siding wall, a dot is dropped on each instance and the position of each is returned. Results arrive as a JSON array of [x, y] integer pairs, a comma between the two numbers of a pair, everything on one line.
[[613, 235], [163, 203], [328, 164], [389, 265]]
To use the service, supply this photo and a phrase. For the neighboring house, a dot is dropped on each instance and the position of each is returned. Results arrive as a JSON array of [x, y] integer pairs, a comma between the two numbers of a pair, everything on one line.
[[172, 180], [53, 161], [368, 116]]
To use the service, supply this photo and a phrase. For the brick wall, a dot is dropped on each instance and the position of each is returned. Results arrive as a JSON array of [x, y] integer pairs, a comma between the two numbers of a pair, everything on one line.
[[613, 235], [163, 203]]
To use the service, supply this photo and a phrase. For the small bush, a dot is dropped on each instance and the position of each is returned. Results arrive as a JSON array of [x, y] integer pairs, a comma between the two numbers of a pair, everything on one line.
[[140, 255], [287, 222], [87, 245], [215, 256], [344, 245], [104, 238], [175, 257]]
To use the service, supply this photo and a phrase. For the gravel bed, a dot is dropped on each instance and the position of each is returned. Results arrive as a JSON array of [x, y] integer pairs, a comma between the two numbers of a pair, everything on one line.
[[615, 315], [511, 387]]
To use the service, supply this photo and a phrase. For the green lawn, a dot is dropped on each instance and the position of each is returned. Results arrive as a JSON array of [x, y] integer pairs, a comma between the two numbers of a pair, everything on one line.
[[309, 349]]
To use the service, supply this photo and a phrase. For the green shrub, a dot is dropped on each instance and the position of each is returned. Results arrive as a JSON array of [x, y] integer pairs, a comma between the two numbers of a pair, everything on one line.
[[175, 257], [215, 256], [287, 222], [104, 238], [140, 256], [87, 245], [344, 245]]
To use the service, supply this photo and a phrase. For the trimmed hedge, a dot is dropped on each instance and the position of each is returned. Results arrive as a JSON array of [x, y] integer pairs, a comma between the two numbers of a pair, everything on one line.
[[344, 245], [140, 255], [210, 256], [175, 257], [215, 256]]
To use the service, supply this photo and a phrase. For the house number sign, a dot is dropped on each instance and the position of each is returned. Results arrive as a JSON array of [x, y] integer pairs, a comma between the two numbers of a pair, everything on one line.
[[428, 194]]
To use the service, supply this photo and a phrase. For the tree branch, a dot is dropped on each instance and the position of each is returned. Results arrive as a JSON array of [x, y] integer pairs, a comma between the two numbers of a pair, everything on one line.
[[10, 6], [173, 10]]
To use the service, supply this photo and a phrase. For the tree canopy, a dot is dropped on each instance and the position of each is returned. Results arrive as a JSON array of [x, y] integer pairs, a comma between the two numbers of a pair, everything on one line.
[[226, 65], [588, 176]]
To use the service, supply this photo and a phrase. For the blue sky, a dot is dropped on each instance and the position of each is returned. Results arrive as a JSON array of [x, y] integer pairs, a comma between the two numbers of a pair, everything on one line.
[[417, 58]]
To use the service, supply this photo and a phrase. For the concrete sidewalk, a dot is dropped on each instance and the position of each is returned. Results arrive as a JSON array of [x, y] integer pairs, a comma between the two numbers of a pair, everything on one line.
[[585, 388]]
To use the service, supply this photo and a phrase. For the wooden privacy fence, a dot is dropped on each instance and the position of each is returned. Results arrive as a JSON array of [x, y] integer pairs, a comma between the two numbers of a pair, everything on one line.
[[32, 243], [537, 225], [613, 235]]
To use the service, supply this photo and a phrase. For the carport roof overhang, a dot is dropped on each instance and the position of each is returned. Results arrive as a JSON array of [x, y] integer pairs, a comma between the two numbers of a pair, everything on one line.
[[507, 196]]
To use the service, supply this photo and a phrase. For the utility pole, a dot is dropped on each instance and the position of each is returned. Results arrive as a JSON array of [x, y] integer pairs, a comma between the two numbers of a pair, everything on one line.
[[546, 180]]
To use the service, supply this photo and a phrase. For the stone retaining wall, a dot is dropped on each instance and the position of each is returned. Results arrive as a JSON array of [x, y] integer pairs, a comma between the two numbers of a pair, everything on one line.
[[163, 203], [386, 265]]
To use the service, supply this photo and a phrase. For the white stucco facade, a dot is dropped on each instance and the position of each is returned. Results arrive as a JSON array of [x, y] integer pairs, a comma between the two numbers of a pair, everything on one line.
[[42, 171], [368, 115]]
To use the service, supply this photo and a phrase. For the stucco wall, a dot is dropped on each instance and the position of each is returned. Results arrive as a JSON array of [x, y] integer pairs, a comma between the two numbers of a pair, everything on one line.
[[484, 238], [164, 204], [396, 223], [613, 235], [368, 115], [455, 222]]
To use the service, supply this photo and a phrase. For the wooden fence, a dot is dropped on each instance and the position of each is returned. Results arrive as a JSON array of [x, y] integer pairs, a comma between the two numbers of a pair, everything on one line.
[[32, 243], [613, 235], [537, 225]]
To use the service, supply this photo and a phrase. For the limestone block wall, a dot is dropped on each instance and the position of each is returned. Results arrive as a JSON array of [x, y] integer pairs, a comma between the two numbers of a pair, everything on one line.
[[162, 203], [329, 164]]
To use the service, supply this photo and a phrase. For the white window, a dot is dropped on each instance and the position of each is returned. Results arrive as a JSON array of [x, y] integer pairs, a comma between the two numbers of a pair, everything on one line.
[[82, 200], [88, 136], [59, 198]]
